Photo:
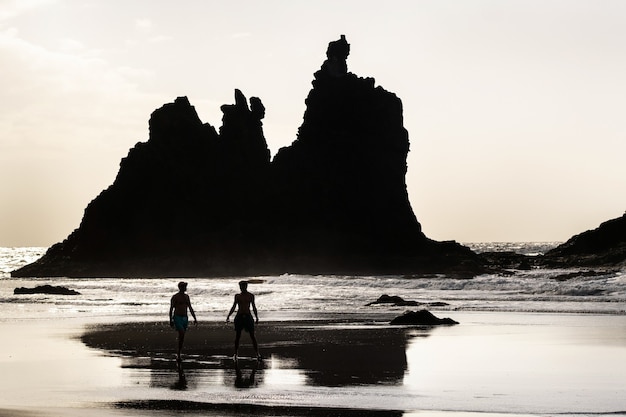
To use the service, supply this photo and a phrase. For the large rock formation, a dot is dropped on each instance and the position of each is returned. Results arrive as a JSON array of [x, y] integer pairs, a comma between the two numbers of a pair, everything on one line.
[[603, 246], [194, 202]]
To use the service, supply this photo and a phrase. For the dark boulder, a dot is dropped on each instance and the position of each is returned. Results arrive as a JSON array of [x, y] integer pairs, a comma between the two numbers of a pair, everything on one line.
[[394, 300], [46, 289], [421, 318]]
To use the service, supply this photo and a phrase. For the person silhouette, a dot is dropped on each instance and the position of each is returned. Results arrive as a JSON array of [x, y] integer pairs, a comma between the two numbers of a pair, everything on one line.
[[243, 319], [179, 304]]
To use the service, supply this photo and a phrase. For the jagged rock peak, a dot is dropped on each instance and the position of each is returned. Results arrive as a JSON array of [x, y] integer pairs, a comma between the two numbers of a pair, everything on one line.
[[240, 100], [339, 49], [183, 101], [174, 121], [336, 54], [257, 109], [242, 132]]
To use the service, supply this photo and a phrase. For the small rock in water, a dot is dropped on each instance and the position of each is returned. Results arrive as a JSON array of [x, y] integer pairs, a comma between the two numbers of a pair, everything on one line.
[[422, 317], [46, 289], [395, 300]]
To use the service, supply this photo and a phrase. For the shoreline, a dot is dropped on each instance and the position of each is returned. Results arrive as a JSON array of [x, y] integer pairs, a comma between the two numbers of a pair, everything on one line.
[[223, 409]]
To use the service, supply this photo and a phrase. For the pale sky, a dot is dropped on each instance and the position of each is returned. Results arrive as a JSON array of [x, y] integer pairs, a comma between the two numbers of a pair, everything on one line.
[[516, 110]]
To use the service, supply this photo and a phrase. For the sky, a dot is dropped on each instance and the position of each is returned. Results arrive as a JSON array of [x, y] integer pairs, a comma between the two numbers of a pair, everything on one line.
[[515, 109]]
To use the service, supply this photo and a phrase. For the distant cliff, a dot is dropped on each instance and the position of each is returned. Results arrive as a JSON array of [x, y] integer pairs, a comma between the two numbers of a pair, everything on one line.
[[192, 201], [603, 246]]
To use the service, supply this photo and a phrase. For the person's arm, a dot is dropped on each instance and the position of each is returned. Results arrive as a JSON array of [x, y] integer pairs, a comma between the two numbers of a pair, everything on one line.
[[193, 313], [254, 309], [232, 309], [171, 312]]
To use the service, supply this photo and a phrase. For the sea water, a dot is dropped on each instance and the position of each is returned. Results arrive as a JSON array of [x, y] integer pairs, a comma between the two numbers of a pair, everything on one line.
[[528, 343], [535, 290]]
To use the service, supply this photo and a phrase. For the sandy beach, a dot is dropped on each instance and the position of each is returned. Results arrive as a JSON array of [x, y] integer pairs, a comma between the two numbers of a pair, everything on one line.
[[343, 365]]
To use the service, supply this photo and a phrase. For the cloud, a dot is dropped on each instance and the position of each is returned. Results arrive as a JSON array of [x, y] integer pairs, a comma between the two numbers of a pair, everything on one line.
[[10, 9], [144, 25], [66, 118], [241, 35], [161, 38], [68, 45], [55, 98]]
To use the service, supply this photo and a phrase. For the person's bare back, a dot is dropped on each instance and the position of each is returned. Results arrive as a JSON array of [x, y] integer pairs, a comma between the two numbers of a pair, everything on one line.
[[243, 301]]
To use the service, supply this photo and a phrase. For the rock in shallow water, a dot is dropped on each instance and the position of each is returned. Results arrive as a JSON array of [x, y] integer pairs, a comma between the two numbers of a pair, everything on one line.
[[46, 289], [423, 318]]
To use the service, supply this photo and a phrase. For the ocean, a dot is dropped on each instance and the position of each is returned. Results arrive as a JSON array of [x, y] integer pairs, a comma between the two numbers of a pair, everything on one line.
[[536, 290], [529, 343]]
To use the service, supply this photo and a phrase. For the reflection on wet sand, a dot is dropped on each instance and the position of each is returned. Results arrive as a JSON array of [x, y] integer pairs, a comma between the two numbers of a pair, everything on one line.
[[242, 374], [249, 380], [299, 358], [181, 383], [313, 355]]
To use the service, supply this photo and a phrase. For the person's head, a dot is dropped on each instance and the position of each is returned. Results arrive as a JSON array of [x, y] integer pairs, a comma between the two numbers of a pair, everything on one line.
[[243, 285], [182, 286]]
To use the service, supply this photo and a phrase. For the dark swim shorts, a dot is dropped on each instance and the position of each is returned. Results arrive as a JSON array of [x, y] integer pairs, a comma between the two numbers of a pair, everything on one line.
[[244, 322], [181, 322]]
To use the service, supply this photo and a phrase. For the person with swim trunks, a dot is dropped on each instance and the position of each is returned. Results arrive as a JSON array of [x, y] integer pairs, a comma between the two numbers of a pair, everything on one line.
[[243, 319], [179, 304]]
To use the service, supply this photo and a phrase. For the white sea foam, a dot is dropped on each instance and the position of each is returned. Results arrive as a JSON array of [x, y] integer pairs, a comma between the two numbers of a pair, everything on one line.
[[13, 258]]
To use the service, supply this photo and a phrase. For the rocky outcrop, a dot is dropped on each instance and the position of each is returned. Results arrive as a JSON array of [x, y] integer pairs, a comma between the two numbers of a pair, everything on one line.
[[394, 300], [398, 301], [46, 289], [421, 318], [338, 182], [192, 201], [603, 246], [186, 202]]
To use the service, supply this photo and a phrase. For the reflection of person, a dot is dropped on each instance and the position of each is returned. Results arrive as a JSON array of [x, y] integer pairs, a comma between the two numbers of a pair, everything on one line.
[[240, 381], [181, 383], [178, 314], [243, 319]]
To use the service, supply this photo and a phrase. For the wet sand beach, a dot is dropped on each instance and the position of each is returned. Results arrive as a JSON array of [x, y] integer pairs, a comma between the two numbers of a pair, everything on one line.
[[343, 365]]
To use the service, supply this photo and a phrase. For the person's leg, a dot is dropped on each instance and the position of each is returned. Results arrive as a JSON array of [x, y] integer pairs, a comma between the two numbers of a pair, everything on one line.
[[237, 337], [181, 340], [250, 330], [254, 344]]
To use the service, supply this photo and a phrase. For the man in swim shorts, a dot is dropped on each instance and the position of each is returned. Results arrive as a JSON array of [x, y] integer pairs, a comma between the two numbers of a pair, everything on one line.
[[243, 319], [179, 304]]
